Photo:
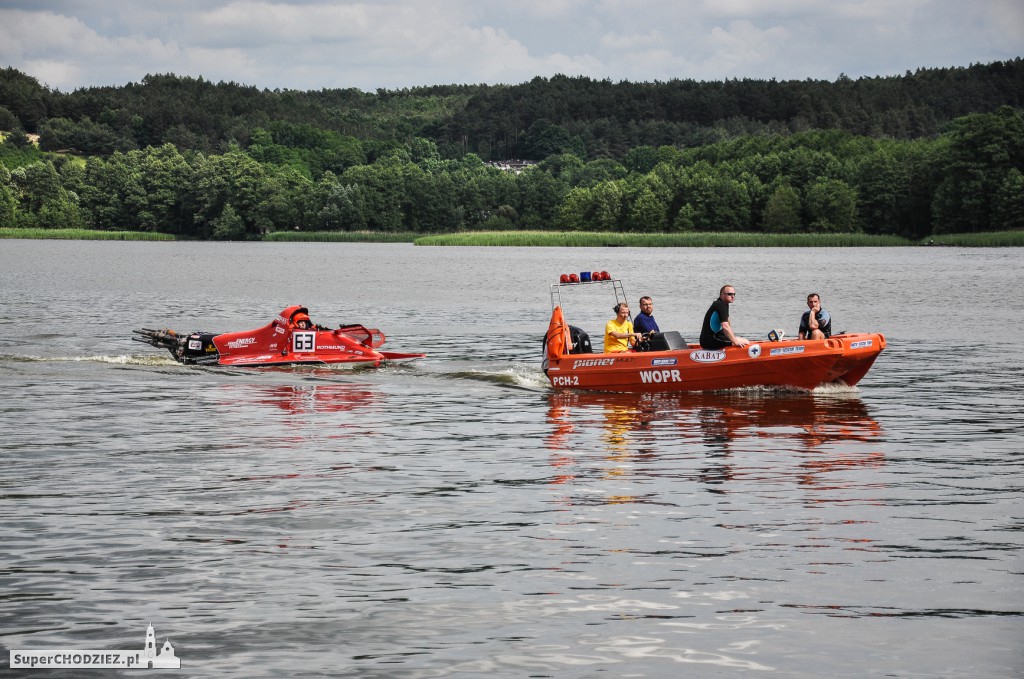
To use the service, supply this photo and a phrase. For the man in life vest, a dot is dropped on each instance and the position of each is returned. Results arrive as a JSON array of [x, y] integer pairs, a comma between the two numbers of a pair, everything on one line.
[[816, 323]]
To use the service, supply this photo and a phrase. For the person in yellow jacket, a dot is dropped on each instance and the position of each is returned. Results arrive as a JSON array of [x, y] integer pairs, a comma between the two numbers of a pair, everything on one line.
[[618, 332]]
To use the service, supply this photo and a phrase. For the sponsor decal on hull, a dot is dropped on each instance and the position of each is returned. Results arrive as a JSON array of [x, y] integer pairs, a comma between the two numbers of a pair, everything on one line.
[[754, 351], [591, 362], [241, 343], [788, 350], [860, 344], [706, 356], [663, 361]]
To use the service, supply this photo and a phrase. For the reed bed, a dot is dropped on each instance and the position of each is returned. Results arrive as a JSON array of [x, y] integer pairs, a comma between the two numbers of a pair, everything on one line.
[[342, 236], [989, 239], [669, 240], [83, 234], [569, 238]]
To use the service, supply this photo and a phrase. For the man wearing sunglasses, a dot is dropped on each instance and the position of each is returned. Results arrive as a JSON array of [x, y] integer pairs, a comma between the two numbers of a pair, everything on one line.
[[716, 332]]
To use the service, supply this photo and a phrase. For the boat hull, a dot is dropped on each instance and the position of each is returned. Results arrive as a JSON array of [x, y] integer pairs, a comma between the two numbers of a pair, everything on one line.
[[280, 342], [798, 364]]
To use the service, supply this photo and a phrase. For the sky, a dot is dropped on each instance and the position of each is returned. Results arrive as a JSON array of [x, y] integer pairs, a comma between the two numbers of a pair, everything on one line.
[[394, 44]]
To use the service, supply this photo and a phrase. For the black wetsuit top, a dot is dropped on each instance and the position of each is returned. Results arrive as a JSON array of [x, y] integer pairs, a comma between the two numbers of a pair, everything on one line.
[[711, 334]]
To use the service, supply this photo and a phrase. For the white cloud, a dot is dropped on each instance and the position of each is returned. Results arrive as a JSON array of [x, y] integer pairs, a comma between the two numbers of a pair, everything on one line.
[[309, 44], [632, 41], [260, 23]]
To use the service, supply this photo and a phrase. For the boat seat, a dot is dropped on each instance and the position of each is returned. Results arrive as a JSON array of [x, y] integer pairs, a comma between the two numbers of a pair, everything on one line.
[[666, 341]]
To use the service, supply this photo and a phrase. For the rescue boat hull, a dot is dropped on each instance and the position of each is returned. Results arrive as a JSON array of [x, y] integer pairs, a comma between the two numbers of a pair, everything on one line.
[[798, 364]]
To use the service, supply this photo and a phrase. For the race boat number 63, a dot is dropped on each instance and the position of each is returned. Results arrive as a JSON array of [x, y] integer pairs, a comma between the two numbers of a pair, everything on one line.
[[303, 342]]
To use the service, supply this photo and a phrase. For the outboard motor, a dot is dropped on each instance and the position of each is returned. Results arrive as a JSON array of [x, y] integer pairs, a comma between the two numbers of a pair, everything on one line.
[[199, 348], [580, 341]]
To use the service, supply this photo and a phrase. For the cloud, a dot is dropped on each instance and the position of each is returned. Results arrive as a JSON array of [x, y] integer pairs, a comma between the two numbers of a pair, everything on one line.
[[370, 44], [632, 41]]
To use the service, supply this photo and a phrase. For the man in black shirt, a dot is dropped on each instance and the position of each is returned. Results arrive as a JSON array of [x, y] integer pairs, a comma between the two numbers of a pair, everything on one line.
[[716, 332]]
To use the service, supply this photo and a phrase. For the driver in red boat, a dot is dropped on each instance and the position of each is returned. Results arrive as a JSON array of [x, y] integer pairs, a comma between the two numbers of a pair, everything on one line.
[[301, 321]]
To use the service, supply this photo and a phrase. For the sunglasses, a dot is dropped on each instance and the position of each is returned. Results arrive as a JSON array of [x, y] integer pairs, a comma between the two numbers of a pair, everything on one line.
[[730, 294]]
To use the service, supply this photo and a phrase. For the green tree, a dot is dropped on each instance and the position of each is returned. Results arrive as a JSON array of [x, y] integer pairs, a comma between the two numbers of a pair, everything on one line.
[[1010, 202], [233, 178], [336, 206], [641, 159], [8, 121], [36, 185], [545, 138], [228, 225], [383, 186], [782, 213], [598, 172], [608, 206], [685, 219], [165, 176], [8, 199], [540, 197], [883, 190], [572, 213], [831, 206], [113, 194], [983, 148], [647, 212], [720, 203]]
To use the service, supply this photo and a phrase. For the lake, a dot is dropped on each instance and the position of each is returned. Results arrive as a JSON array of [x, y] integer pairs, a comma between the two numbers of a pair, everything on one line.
[[455, 517]]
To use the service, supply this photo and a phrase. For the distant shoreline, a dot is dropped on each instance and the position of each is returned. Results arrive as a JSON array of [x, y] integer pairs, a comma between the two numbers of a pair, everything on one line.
[[567, 238]]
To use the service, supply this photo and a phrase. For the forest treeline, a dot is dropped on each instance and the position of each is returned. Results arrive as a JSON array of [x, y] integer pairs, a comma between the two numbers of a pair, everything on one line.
[[930, 152]]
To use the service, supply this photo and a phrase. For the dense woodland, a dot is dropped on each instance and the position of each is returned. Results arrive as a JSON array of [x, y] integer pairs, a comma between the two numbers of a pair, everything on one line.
[[930, 152]]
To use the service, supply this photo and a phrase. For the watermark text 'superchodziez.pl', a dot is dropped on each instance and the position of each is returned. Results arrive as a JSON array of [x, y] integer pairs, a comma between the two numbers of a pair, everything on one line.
[[147, 657]]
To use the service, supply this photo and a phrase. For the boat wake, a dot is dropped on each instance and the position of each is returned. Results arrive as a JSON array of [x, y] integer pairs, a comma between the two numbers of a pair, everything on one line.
[[122, 359], [516, 376]]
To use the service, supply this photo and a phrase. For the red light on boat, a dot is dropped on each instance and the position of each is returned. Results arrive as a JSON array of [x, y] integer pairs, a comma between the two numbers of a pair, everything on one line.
[[605, 276], [574, 278], [564, 278]]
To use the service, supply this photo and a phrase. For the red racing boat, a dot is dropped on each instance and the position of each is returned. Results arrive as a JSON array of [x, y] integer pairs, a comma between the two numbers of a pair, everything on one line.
[[291, 338], [669, 364]]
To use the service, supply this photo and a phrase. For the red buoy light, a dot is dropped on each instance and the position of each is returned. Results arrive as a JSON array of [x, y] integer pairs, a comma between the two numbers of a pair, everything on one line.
[[564, 278], [574, 278]]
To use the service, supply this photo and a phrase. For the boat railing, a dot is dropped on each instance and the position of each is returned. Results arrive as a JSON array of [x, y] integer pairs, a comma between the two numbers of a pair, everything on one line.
[[556, 290]]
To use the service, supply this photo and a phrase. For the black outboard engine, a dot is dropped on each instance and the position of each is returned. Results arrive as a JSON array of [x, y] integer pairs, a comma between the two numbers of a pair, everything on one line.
[[580, 341], [199, 348]]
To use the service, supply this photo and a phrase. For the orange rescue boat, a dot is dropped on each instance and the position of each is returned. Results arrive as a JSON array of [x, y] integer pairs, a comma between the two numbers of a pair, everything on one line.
[[670, 364]]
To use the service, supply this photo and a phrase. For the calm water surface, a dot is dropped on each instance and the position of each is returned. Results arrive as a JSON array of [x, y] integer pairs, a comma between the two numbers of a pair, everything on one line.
[[454, 517]]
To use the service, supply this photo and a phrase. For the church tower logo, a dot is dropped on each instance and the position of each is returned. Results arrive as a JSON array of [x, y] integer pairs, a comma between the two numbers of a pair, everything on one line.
[[148, 657], [163, 660]]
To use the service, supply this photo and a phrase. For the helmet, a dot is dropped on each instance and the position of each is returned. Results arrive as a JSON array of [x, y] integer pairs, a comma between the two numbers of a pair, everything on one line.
[[299, 317]]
